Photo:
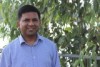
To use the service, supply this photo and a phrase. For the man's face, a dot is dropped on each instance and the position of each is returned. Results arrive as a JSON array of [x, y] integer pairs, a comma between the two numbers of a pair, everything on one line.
[[29, 23]]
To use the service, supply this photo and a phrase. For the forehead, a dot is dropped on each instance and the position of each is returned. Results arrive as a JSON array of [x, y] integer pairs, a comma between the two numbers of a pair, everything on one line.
[[30, 15]]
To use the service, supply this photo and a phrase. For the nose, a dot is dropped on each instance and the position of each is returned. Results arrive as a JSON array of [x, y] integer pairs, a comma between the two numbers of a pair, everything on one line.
[[31, 23]]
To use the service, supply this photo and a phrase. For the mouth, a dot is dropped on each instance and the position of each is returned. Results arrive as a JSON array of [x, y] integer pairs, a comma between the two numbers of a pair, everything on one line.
[[31, 28], [31, 31]]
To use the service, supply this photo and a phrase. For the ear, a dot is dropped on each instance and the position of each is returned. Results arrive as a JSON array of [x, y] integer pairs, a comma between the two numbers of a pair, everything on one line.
[[40, 23], [18, 24]]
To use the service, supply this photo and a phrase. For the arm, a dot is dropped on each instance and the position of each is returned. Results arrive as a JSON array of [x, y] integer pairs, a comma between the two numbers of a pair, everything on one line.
[[5, 58], [56, 60]]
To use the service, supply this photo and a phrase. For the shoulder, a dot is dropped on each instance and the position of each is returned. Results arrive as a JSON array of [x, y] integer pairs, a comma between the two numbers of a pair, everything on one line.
[[50, 45], [49, 42], [10, 46]]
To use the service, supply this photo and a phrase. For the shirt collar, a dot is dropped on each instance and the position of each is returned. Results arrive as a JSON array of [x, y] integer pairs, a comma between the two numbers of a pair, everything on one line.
[[22, 41]]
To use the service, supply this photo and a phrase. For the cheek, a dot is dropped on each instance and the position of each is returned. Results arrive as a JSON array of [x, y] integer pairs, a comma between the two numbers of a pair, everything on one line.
[[22, 26]]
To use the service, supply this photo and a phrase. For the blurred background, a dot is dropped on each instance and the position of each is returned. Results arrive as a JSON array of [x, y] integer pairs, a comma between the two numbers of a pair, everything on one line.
[[74, 25]]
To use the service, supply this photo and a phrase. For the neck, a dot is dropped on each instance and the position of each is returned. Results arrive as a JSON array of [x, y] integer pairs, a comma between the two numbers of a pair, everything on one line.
[[30, 39]]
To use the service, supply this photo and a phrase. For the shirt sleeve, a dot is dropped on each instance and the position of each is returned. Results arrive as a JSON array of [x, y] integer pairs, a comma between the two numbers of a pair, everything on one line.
[[5, 58], [56, 59]]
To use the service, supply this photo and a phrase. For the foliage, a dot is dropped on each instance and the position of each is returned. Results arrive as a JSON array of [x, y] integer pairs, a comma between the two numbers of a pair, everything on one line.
[[73, 24]]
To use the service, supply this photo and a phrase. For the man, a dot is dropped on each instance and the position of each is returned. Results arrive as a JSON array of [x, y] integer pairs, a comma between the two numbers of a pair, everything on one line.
[[30, 49]]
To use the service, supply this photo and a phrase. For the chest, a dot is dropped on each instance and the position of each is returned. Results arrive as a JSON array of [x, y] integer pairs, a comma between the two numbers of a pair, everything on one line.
[[32, 57]]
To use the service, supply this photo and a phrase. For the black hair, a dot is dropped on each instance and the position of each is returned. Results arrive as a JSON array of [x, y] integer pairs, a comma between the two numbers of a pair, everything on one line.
[[27, 8]]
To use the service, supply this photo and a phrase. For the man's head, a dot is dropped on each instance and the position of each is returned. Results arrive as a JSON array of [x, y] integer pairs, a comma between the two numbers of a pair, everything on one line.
[[28, 20], [28, 8]]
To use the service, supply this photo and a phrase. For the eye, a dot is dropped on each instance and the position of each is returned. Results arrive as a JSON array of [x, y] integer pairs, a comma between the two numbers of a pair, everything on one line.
[[26, 20], [34, 19]]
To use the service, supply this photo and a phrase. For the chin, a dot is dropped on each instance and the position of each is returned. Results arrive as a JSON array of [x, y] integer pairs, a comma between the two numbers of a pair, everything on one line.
[[31, 34]]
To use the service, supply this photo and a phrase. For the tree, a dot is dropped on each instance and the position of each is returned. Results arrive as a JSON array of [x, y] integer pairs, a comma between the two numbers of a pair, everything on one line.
[[73, 24]]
